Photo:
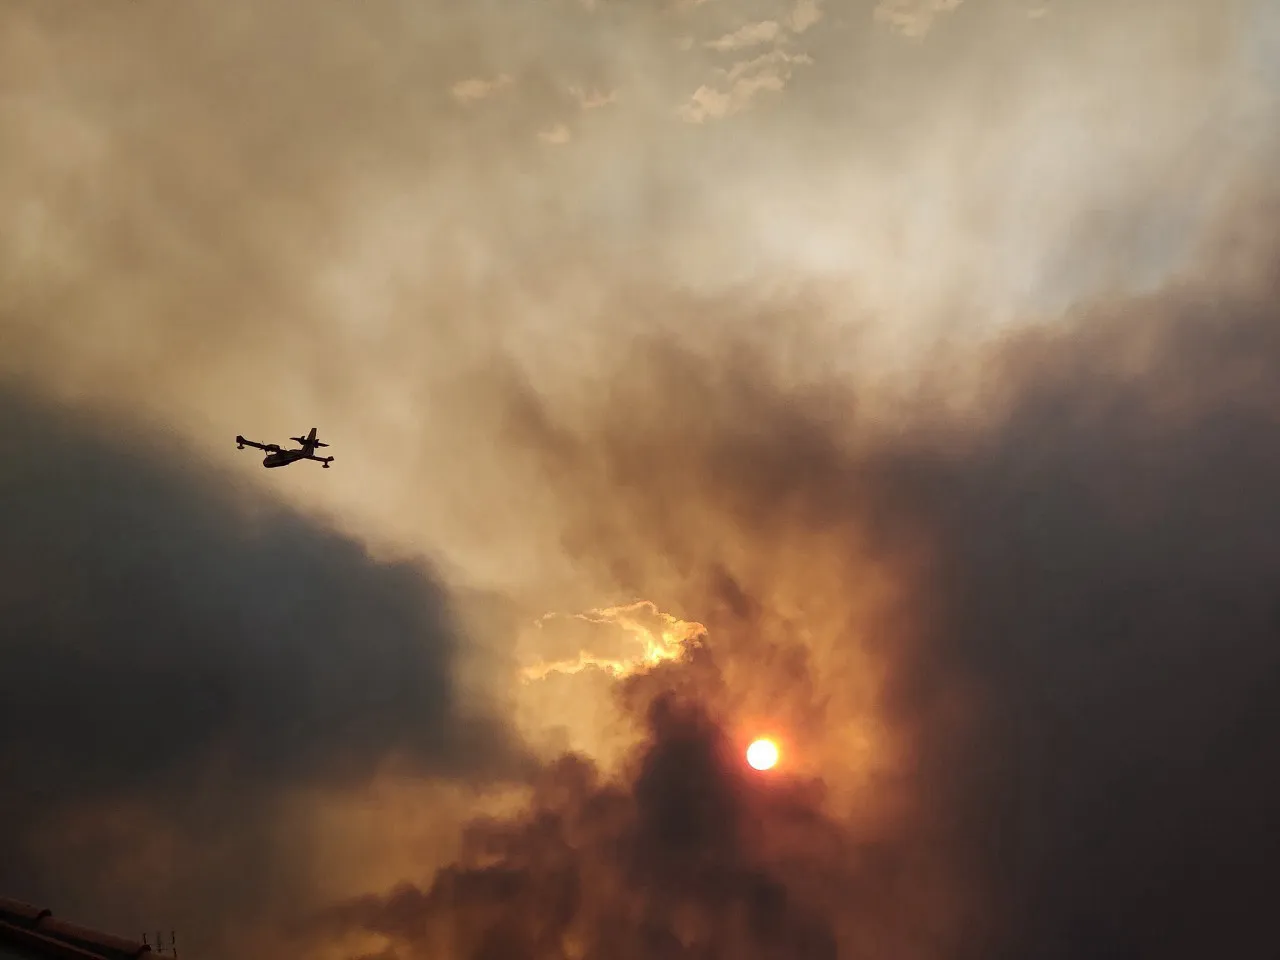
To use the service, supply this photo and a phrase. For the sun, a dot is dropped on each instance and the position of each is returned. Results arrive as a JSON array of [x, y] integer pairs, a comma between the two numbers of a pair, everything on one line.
[[762, 754]]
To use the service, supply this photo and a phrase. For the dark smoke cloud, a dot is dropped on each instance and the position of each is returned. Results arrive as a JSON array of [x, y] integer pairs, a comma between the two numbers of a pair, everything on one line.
[[183, 652], [689, 859], [687, 853], [1080, 669]]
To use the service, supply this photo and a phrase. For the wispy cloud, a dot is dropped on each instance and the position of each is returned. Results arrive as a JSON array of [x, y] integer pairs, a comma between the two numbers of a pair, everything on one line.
[[478, 88], [742, 83], [804, 15], [748, 35], [739, 85], [593, 99], [912, 18], [555, 135]]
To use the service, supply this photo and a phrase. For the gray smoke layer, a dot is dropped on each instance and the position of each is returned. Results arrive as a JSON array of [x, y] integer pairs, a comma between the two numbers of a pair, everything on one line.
[[179, 648]]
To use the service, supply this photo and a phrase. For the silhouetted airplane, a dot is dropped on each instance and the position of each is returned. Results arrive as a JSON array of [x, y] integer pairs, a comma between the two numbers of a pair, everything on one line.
[[282, 458]]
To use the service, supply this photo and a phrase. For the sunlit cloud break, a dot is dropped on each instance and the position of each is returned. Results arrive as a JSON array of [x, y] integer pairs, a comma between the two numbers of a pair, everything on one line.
[[657, 637]]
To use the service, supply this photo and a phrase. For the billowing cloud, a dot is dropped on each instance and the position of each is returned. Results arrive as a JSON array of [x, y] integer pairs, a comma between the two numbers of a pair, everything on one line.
[[1056, 622], [689, 858]]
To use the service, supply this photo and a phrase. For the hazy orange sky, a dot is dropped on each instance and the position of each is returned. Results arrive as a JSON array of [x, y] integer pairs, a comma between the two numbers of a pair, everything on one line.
[[895, 379]]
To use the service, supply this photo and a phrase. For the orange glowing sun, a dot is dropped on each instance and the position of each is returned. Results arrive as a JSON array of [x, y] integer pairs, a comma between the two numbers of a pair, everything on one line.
[[762, 754]]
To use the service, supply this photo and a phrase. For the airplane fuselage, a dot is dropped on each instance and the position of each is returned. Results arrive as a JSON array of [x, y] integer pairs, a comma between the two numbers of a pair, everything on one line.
[[283, 458]]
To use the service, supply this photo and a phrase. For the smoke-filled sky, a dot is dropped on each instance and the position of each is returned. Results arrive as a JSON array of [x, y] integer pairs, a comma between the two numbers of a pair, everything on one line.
[[896, 379]]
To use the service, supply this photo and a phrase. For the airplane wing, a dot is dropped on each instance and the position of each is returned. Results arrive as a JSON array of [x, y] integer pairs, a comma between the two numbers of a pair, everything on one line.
[[269, 447]]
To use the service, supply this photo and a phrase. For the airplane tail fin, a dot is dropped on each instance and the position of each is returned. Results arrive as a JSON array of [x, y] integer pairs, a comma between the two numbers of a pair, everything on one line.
[[310, 441]]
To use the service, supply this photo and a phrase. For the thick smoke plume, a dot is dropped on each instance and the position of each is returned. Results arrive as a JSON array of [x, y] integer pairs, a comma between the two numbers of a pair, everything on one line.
[[1059, 616], [688, 857]]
